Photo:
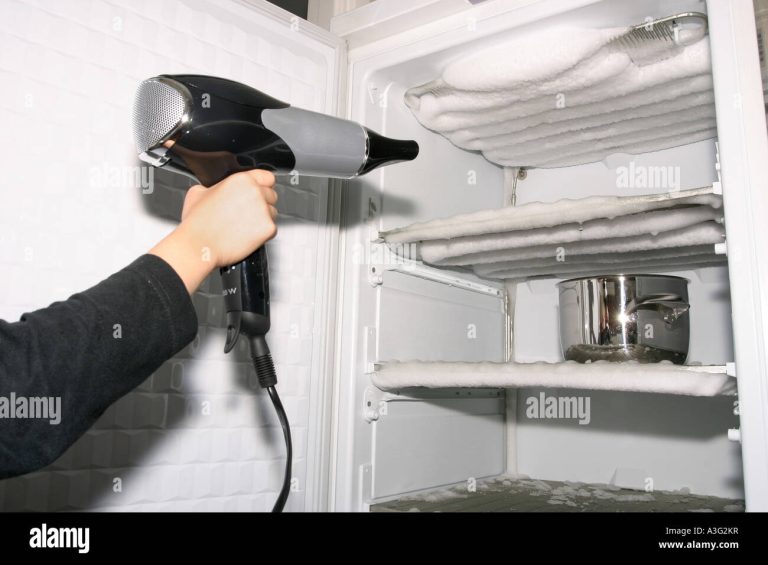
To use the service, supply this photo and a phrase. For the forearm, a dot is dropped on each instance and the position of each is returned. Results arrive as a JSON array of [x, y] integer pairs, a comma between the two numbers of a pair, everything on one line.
[[191, 259], [88, 351]]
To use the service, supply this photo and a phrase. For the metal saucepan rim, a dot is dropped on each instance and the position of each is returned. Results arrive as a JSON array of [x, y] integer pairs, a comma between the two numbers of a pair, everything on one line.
[[627, 276]]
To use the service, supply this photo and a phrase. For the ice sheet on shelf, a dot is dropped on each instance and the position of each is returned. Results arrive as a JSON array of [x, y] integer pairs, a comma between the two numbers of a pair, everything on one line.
[[568, 96], [664, 377], [601, 233], [510, 493]]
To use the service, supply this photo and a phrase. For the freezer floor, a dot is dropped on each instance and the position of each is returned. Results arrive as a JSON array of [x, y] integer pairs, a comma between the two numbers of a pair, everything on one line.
[[505, 494]]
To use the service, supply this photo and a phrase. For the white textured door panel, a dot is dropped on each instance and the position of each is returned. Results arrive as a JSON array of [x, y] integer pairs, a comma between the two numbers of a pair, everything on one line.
[[199, 434]]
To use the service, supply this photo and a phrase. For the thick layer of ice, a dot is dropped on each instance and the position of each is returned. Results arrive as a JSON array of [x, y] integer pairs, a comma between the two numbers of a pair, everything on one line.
[[569, 96], [661, 377], [519, 493], [550, 214], [607, 234]]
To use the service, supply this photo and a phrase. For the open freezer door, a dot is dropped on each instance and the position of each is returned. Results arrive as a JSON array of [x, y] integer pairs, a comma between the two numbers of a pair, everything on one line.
[[197, 435]]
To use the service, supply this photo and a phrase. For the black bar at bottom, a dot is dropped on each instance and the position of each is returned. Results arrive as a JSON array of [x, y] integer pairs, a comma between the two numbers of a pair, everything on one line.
[[197, 536]]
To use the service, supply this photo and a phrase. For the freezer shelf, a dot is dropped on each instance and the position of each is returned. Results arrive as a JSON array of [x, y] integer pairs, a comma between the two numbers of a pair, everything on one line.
[[663, 378], [511, 494], [573, 237]]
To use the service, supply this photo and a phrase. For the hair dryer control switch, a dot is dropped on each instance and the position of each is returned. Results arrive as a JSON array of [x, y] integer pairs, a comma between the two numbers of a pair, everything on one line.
[[246, 297]]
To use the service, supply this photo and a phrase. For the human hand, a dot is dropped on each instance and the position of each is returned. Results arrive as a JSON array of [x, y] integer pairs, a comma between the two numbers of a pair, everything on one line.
[[221, 225]]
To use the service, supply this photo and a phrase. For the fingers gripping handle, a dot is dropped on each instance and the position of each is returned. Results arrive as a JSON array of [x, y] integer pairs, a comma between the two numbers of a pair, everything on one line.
[[246, 297]]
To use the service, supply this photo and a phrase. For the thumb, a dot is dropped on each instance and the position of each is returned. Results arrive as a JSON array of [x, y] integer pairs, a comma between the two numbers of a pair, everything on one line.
[[194, 195]]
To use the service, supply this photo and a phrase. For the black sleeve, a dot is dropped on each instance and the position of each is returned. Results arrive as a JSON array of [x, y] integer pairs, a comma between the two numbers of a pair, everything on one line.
[[88, 351]]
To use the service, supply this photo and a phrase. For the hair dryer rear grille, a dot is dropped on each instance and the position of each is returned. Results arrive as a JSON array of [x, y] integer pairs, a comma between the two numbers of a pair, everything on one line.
[[157, 110]]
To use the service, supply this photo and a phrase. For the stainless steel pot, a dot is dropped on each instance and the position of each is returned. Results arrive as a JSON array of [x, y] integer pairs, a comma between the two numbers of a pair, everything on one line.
[[625, 317]]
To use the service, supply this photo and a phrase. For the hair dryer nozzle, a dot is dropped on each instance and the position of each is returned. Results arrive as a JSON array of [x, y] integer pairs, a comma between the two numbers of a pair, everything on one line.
[[385, 150]]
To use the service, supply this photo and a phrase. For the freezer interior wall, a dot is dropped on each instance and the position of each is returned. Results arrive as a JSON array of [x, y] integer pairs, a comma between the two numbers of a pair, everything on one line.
[[639, 440], [634, 440]]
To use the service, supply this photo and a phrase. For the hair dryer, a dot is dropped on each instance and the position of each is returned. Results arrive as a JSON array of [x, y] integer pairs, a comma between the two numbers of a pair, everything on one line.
[[209, 128]]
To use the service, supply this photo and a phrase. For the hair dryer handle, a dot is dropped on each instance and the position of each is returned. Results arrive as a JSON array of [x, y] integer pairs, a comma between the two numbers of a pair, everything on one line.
[[246, 297]]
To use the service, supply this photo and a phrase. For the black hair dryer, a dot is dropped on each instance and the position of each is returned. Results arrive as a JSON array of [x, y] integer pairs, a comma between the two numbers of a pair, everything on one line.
[[208, 128]]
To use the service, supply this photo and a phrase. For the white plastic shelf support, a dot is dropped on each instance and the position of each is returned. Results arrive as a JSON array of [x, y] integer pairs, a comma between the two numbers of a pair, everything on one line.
[[384, 259]]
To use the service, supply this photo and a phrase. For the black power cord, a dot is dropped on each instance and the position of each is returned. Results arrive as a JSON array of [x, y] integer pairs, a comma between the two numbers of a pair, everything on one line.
[[285, 491], [265, 371]]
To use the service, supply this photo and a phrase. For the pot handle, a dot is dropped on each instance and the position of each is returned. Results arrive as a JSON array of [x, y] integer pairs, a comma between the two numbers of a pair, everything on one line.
[[672, 305]]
